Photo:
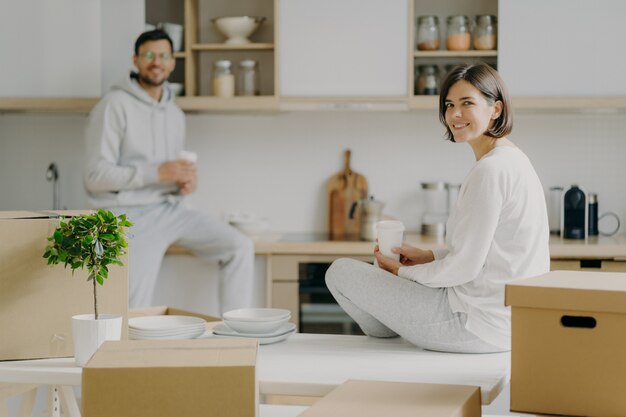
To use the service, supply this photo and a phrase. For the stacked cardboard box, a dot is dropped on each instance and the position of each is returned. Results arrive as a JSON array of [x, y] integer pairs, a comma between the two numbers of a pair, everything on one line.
[[37, 301], [569, 343], [164, 378]]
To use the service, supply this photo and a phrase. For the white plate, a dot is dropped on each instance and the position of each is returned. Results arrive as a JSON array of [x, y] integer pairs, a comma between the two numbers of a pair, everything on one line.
[[168, 332], [178, 336], [262, 340], [223, 330], [152, 323]]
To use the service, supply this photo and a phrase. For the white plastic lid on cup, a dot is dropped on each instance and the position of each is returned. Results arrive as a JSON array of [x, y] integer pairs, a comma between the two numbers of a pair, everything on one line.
[[389, 234], [188, 156]]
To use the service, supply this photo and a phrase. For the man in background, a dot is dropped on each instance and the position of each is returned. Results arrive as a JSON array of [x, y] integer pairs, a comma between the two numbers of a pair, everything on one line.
[[136, 164]]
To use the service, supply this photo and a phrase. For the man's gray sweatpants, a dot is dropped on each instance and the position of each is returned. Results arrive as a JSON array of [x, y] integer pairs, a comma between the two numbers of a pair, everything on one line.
[[385, 305], [158, 226]]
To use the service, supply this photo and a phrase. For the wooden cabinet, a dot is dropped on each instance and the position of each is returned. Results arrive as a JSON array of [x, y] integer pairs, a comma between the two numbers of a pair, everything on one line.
[[363, 55], [343, 48], [65, 48], [563, 48]]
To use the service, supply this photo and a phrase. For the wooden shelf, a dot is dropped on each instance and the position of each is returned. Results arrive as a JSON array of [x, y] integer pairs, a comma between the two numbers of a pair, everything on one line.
[[208, 103], [227, 47], [538, 103], [48, 104], [180, 55], [273, 103], [569, 103], [454, 54]]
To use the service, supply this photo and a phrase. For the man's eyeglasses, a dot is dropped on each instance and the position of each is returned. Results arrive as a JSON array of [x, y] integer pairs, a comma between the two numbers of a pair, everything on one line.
[[151, 56]]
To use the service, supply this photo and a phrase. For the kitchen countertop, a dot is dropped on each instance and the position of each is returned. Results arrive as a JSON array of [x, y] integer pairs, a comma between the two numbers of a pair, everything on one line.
[[597, 247]]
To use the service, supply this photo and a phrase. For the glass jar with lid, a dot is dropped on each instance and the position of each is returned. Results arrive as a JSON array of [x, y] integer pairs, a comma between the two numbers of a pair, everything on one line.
[[428, 35], [427, 82], [458, 35], [485, 32], [248, 78], [222, 80]]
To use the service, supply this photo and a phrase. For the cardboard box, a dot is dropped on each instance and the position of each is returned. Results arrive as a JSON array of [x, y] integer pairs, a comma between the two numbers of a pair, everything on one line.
[[37, 301], [569, 343], [165, 378], [167, 311], [356, 398]]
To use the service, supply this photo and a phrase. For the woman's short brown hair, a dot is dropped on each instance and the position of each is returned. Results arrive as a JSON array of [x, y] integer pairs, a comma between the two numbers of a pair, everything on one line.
[[490, 84]]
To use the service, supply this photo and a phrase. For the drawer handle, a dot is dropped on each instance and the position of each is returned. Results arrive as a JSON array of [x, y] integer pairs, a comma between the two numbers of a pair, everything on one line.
[[581, 322]]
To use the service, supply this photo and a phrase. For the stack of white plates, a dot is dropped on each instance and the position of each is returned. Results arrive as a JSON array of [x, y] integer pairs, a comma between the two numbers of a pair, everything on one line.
[[269, 325], [165, 327]]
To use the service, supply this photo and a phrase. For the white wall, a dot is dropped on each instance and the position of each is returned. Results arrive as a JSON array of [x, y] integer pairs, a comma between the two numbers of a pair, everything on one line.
[[277, 164]]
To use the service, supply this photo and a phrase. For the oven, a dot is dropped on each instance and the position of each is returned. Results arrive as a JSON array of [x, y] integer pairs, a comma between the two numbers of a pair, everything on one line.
[[317, 308]]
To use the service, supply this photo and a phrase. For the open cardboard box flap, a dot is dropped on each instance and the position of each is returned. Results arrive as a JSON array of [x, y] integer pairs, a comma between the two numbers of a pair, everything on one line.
[[167, 311], [48, 214]]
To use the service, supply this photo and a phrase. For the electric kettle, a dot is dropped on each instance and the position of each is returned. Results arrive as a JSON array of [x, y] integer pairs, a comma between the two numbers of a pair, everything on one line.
[[371, 213]]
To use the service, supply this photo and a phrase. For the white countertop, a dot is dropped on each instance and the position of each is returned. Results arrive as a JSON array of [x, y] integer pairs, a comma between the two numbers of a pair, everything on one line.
[[313, 364]]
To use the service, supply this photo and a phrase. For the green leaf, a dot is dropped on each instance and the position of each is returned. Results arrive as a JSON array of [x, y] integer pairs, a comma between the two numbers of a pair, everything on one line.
[[99, 279], [58, 236]]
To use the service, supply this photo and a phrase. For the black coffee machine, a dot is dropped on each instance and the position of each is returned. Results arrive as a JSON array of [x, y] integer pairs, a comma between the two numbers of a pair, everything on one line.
[[575, 216]]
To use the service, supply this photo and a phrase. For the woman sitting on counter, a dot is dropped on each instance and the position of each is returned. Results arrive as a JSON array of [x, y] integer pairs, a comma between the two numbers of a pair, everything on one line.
[[452, 299]]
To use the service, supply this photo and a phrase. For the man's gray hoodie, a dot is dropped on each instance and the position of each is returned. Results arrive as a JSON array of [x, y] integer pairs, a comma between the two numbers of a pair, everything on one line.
[[129, 134]]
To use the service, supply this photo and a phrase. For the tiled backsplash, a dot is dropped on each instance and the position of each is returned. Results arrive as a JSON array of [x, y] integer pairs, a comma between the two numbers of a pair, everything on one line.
[[277, 165]]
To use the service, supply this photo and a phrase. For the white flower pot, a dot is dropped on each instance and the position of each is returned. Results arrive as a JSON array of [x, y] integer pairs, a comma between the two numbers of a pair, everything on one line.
[[89, 334]]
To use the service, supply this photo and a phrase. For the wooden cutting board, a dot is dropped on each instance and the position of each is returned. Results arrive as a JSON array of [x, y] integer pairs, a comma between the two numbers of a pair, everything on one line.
[[344, 189]]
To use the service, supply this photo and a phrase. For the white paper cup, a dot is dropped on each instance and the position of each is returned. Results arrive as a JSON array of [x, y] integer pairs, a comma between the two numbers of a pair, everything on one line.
[[188, 156], [389, 234]]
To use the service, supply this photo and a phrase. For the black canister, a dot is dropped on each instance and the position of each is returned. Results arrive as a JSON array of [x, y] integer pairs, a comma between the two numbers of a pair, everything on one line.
[[593, 215], [574, 213]]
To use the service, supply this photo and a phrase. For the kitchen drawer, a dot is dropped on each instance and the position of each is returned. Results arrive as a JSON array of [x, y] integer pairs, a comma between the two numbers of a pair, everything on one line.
[[285, 295], [606, 265]]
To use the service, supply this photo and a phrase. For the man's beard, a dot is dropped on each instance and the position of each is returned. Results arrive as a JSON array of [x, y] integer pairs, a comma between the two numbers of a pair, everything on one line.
[[147, 81]]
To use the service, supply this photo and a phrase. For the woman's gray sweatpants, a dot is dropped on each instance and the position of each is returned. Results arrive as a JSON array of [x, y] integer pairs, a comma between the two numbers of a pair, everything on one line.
[[158, 226], [385, 305]]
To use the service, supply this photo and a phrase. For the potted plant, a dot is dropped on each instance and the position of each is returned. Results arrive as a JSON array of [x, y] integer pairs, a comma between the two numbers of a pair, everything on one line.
[[93, 242]]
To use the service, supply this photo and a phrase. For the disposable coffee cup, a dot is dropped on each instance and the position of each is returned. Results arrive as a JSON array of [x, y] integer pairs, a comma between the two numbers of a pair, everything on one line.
[[188, 156], [389, 234]]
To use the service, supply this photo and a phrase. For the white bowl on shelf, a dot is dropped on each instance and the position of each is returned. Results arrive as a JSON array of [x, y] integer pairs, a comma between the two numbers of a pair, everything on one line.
[[257, 314], [237, 28], [249, 223]]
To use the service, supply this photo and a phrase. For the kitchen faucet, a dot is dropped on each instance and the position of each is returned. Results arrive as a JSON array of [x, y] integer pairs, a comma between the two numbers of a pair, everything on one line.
[[52, 174]]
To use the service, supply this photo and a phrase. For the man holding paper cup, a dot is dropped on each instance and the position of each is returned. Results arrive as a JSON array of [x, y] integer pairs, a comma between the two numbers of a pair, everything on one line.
[[136, 164], [452, 299]]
